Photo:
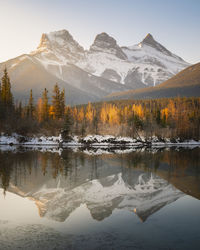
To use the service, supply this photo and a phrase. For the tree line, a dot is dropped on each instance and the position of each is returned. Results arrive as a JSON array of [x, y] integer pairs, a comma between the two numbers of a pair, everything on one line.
[[166, 117]]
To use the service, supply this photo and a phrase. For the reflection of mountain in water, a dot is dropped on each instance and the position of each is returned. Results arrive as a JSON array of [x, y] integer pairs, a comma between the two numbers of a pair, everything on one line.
[[145, 195], [138, 181]]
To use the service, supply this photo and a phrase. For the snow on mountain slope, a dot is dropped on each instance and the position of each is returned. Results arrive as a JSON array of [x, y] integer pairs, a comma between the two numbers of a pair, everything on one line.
[[60, 54], [146, 63], [151, 53], [104, 69], [146, 195], [58, 47]]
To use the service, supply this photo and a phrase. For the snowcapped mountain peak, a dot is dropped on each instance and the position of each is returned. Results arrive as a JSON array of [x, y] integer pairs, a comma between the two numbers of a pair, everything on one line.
[[103, 69], [59, 39], [103, 40], [150, 41], [58, 47], [105, 43]]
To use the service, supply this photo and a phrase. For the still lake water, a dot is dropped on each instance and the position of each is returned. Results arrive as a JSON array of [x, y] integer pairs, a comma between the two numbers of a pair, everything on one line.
[[73, 199]]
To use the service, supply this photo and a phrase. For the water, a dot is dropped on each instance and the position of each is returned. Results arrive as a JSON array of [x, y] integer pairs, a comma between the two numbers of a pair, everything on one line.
[[101, 199]]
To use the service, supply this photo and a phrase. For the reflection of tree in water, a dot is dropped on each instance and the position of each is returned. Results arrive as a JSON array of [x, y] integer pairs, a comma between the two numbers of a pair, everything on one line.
[[94, 173], [179, 161], [21, 166], [4, 175], [15, 165], [67, 161]]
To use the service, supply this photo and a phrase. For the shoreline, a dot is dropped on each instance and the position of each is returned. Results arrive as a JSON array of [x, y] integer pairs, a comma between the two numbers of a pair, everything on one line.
[[92, 141]]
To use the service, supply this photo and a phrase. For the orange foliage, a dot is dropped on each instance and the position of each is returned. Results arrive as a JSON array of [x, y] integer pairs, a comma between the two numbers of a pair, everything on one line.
[[138, 110]]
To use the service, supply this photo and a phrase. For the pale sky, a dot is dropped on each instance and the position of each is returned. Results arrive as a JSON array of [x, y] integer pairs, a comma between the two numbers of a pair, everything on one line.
[[173, 23]]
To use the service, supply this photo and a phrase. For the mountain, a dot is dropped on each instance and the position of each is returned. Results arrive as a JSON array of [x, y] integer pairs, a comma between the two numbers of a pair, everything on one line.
[[145, 64], [136, 191], [184, 84], [89, 75], [65, 179]]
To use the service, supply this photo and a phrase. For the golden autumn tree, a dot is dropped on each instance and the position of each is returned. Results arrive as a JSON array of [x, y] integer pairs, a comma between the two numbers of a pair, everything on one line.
[[113, 115], [39, 109], [51, 112], [138, 110], [81, 115], [103, 114], [89, 113]]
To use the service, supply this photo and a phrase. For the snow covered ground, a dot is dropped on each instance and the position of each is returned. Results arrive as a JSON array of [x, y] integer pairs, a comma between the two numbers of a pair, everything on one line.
[[90, 141]]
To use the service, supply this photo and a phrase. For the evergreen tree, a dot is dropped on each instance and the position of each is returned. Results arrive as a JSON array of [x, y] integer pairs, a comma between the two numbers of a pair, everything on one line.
[[6, 95], [69, 121], [45, 105], [30, 109], [158, 117], [18, 110], [62, 103], [56, 102]]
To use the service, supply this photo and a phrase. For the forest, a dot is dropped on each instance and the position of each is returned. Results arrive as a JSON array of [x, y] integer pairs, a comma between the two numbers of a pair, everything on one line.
[[165, 118]]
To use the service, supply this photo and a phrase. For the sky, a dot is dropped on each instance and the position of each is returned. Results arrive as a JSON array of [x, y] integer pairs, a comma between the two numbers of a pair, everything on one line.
[[173, 23]]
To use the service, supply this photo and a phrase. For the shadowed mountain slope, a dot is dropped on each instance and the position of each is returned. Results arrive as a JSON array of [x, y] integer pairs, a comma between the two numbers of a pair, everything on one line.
[[185, 84]]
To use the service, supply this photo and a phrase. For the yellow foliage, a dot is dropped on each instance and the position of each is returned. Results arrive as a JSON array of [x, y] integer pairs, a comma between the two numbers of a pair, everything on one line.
[[138, 110], [109, 113], [81, 115], [113, 115], [89, 112], [165, 113], [103, 114], [171, 108], [51, 112], [75, 113]]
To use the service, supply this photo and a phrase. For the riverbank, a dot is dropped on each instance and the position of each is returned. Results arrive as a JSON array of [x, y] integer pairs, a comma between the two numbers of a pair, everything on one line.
[[91, 141]]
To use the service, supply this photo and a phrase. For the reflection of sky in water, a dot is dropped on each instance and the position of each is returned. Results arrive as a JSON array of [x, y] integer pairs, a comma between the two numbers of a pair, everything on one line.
[[175, 224]]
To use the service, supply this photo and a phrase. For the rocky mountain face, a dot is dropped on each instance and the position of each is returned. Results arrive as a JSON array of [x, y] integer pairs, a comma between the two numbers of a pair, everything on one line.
[[90, 75], [106, 44], [184, 84]]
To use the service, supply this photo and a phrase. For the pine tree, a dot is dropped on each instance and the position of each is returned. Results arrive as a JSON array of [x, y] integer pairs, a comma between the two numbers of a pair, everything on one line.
[[30, 108], [62, 103], [19, 110], [69, 121], [158, 117], [56, 102], [45, 105], [1, 107], [6, 95]]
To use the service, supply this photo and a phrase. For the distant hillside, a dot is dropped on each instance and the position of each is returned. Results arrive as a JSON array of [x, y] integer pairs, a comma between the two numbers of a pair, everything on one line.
[[184, 84]]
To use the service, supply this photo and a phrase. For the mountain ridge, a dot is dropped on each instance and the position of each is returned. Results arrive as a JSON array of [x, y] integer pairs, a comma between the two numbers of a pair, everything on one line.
[[184, 84], [104, 69]]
